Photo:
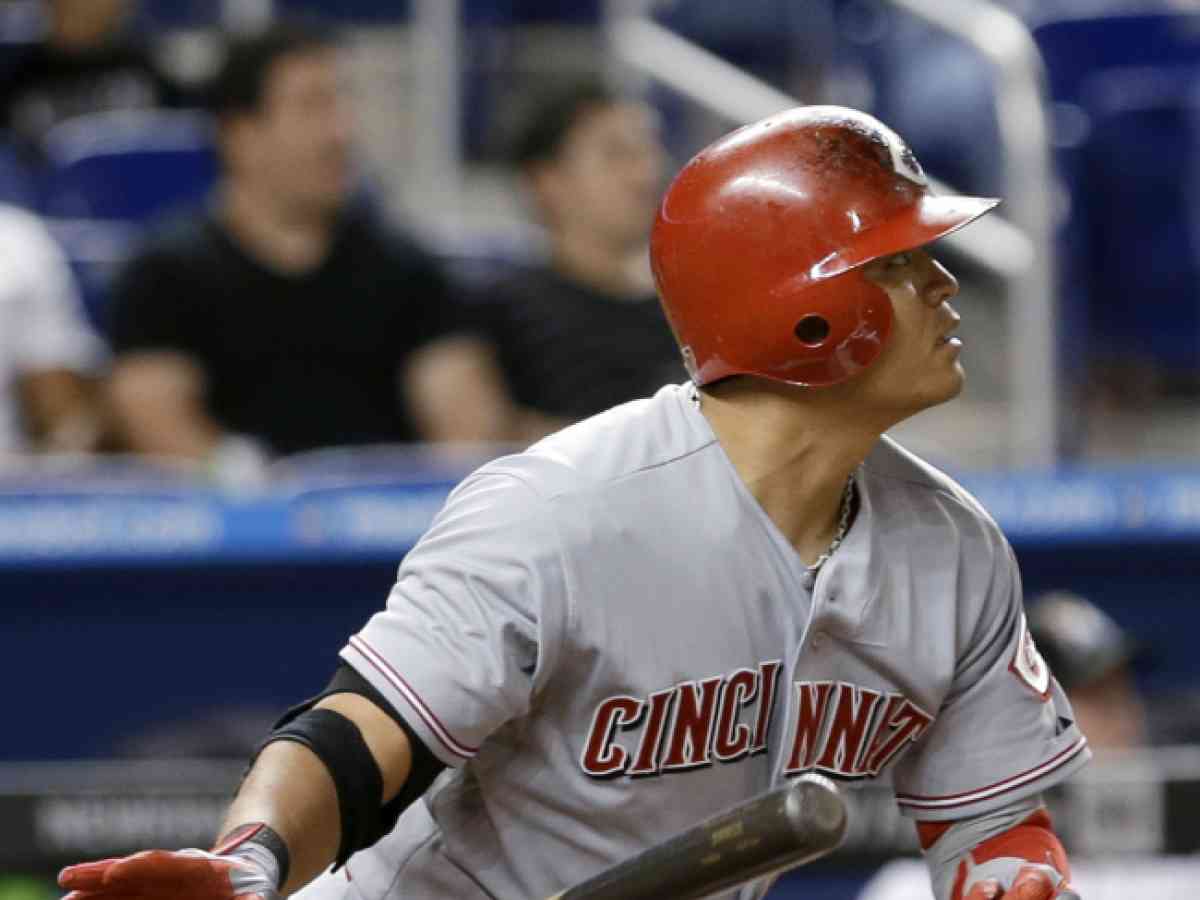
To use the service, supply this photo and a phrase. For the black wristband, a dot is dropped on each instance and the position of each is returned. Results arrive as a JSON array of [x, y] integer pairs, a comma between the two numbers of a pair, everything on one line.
[[262, 835]]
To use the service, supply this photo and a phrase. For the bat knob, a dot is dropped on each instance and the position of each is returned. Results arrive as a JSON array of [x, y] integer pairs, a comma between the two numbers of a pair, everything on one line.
[[815, 807]]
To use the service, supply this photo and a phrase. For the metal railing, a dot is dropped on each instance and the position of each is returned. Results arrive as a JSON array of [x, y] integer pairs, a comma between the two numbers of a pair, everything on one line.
[[1006, 42], [1016, 248]]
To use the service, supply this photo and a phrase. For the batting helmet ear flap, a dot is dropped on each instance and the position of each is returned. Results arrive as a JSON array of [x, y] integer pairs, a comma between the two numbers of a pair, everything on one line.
[[758, 245]]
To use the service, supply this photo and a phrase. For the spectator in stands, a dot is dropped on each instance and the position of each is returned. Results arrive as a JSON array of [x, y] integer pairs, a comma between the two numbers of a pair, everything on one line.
[[1090, 655], [47, 353], [583, 331], [1093, 659], [286, 316], [87, 64]]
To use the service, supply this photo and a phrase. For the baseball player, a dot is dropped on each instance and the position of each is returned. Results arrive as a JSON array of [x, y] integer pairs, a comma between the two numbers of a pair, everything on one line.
[[689, 599]]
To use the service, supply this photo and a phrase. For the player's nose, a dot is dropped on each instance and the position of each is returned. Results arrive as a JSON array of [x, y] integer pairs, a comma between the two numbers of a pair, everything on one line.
[[940, 286]]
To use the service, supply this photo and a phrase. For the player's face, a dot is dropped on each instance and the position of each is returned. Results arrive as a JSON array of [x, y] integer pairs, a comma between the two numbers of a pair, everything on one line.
[[919, 367], [298, 145], [606, 179]]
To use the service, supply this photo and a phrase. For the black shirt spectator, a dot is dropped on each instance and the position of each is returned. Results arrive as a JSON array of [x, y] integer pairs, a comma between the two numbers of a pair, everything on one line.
[[569, 351], [583, 332], [297, 361], [282, 314]]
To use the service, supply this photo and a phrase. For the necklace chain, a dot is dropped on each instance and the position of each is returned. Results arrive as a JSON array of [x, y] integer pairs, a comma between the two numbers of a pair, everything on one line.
[[810, 572], [843, 526]]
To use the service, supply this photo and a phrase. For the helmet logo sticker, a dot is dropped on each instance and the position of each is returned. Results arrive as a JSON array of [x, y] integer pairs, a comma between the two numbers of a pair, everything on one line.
[[904, 162]]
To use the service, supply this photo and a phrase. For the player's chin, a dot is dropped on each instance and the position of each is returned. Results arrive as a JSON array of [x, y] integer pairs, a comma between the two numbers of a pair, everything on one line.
[[942, 387], [956, 382]]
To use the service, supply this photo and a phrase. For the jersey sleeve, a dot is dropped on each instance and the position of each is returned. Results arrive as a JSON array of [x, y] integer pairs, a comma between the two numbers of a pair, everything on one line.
[[1005, 730], [473, 625]]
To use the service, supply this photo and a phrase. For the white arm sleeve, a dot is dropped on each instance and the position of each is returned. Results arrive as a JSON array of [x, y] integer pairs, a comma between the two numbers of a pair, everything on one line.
[[473, 626], [1005, 730]]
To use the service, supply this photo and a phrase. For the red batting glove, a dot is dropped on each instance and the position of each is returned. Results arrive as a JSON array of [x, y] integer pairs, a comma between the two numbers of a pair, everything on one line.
[[169, 875], [1031, 883]]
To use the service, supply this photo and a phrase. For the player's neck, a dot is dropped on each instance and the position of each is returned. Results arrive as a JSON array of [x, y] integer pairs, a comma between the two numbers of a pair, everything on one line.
[[793, 457]]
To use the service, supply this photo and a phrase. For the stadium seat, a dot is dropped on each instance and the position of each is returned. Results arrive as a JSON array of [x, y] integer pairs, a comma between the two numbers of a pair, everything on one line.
[[358, 12], [1142, 149], [1124, 89], [95, 249], [128, 165], [18, 181], [531, 12]]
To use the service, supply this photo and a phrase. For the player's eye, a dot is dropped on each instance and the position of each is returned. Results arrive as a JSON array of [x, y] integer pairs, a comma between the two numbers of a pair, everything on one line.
[[899, 260]]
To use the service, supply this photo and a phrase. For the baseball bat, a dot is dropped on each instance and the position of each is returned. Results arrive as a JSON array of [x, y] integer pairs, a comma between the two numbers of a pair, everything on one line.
[[788, 827]]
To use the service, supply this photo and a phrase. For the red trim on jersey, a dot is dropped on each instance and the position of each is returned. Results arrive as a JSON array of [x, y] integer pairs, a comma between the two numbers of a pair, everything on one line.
[[952, 801], [432, 722], [929, 833]]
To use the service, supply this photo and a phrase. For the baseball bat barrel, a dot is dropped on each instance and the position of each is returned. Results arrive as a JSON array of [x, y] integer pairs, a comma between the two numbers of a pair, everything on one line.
[[780, 830]]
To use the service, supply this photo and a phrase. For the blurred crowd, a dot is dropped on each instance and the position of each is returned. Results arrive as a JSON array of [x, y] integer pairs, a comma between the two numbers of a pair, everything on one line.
[[285, 311], [268, 303]]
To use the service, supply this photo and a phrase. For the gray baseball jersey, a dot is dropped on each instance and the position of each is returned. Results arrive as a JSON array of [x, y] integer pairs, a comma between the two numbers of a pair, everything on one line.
[[607, 639]]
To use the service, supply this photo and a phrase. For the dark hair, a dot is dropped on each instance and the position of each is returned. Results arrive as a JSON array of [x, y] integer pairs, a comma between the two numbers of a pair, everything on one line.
[[241, 82], [551, 121]]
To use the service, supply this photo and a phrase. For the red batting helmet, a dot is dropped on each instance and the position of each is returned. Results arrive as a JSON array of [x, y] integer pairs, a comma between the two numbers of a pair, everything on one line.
[[759, 241]]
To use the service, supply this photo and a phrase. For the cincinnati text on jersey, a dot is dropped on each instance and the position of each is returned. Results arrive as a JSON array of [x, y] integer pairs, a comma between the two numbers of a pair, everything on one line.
[[843, 730]]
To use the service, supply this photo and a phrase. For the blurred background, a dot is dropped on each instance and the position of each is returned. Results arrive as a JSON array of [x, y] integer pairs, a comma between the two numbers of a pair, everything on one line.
[[274, 274]]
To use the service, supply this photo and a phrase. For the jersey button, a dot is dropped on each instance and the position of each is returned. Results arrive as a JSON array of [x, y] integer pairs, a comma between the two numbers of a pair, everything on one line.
[[819, 640]]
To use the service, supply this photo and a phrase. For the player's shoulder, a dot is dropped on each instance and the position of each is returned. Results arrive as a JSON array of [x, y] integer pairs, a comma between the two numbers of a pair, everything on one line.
[[623, 442], [904, 481]]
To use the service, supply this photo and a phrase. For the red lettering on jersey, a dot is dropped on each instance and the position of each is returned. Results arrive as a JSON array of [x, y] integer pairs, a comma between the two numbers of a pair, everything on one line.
[[907, 723], [849, 731], [811, 702], [692, 731], [726, 717], [768, 675], [847, 728], [602, 756], [732, 739], [646, 762], [883, 731]]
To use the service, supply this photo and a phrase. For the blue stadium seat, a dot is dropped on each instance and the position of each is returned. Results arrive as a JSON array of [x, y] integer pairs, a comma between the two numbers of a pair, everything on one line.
[[129, 165], [158, 15], [1126, 86], [528, 12], [359, 12], [95, 249], [1144, 261], [18, 181]]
